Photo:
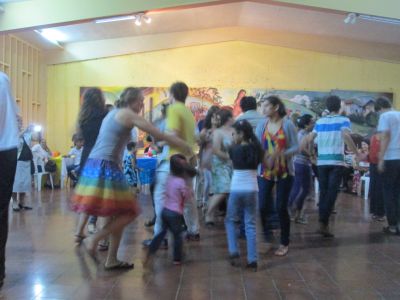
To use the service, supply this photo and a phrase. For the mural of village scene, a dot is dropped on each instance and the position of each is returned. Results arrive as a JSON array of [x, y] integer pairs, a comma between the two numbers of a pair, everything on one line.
[[357, 105]]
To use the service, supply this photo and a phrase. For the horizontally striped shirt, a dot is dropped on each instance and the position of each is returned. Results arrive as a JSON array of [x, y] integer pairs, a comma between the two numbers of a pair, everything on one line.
[[330, 140]]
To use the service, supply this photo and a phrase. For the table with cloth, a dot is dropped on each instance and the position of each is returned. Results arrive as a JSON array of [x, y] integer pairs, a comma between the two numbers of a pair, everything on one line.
[[147, 169]]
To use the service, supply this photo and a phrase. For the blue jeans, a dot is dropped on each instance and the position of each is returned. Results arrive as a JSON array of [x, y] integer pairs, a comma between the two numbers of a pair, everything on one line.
[[301, 185], [238, 203], [266, 203], [329, 182], [268, 213], [174, 222], [391, 191], [376, 206]]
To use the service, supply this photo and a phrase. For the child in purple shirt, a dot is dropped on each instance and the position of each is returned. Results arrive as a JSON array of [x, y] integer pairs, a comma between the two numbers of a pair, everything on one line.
[[178, 191]]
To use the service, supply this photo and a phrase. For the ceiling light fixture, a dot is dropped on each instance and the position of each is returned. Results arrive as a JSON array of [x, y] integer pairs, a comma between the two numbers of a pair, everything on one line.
[[351, 18], [53, 35], [380, 19], [138, 18], [115, 19], [147, 19]]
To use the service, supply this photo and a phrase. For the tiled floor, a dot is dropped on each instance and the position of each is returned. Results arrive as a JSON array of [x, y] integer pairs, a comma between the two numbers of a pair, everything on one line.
[[43, 262]]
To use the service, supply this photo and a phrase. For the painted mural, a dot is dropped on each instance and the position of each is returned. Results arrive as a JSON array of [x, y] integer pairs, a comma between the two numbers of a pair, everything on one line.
[[357, 105]]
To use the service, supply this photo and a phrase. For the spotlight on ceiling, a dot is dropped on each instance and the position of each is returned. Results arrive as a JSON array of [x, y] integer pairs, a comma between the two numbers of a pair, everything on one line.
[[138, 21], [147, 19], [351, 18]]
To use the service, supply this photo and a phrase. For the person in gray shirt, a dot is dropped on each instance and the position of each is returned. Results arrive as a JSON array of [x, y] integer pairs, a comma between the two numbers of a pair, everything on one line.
[[249, 109]]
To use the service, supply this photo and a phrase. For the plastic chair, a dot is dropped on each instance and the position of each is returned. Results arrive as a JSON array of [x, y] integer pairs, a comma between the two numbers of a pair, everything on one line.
[[364, 179], [38, 176]]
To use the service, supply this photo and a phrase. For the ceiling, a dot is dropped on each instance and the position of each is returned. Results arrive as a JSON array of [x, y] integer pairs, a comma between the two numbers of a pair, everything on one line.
[[322, 26]]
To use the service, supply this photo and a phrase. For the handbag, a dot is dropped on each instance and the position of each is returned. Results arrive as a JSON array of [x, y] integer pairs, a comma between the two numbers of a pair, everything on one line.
[[50, 166]]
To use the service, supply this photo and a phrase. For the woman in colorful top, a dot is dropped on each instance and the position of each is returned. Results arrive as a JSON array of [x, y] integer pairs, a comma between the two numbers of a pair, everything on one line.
[[211, 123], [279, 141], [246, 155], [102, 189], [302, 169], [221, 164], [178, 191]]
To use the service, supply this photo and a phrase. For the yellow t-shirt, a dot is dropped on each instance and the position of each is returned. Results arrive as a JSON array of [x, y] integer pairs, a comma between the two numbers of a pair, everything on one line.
[[180, 119]]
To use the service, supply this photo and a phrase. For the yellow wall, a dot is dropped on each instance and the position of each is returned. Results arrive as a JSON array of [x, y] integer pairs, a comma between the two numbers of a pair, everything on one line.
[[222, 65]]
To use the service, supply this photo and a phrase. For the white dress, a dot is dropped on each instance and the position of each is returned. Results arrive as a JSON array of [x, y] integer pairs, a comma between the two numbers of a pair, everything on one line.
[[23, 177]]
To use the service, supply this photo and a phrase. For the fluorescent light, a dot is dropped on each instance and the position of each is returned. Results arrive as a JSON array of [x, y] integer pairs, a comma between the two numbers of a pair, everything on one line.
[[52, 35], [138, 22], [380, 19], [115, 19]]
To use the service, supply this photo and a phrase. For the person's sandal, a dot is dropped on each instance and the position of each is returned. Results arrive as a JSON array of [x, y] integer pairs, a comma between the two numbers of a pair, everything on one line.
[[121, 265], [282, 250]]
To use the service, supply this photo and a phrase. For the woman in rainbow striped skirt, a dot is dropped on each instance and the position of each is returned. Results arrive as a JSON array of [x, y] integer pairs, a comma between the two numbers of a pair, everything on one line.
[[102, 189]]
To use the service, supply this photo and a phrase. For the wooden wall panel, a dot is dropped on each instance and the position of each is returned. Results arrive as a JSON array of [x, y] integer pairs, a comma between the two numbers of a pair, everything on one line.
[[21, 62]]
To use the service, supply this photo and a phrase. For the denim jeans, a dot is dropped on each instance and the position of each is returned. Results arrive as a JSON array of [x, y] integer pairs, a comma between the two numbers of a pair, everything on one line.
[[376, 206], [8, 164], [266, 205], [190, 208], [301, 185], [391, 191], [239, 203], [268, 213], [329, 182], [172, 221]]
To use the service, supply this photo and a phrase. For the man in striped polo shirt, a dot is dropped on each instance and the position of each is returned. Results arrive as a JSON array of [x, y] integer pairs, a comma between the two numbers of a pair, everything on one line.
[[332, 132]]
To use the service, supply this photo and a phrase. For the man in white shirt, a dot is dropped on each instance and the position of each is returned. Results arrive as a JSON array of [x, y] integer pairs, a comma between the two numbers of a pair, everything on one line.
[[389, 162], [9, 140]]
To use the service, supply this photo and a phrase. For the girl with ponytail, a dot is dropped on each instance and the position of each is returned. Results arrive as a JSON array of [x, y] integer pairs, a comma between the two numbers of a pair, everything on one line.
[[246, 154]]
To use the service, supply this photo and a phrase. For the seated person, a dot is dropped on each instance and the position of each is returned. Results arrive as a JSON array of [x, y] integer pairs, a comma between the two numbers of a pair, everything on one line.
[[41, 159], [152, 148], [130, 169], [40, 155], [75, 153]]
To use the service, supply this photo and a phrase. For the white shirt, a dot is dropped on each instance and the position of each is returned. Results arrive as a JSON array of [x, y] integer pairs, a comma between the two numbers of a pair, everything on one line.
[[76, 155], [390, 122], [39, 155], [9, 135]]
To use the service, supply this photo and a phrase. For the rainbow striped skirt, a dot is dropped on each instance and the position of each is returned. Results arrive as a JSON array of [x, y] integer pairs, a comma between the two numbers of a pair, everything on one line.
[[102, 190]]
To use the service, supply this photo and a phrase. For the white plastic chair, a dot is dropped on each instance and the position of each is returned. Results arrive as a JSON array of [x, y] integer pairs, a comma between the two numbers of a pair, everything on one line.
[[38, 176], [364, 179]]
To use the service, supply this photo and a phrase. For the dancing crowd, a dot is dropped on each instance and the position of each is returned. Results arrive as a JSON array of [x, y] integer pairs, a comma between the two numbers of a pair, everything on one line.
[[261, 163]]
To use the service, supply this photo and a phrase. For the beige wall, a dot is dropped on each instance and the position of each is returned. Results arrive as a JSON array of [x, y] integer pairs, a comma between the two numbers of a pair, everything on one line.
[[221, 65], [22, 62]]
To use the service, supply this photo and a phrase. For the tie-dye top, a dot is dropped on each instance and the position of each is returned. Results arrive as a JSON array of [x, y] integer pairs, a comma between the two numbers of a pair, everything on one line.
[[270, 143]]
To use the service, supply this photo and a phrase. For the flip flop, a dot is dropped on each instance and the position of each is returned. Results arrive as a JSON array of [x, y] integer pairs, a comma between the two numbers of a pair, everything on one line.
[[121, 265]]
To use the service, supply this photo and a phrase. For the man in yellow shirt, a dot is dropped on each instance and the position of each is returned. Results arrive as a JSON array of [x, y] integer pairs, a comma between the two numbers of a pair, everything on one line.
[[180, 121]]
